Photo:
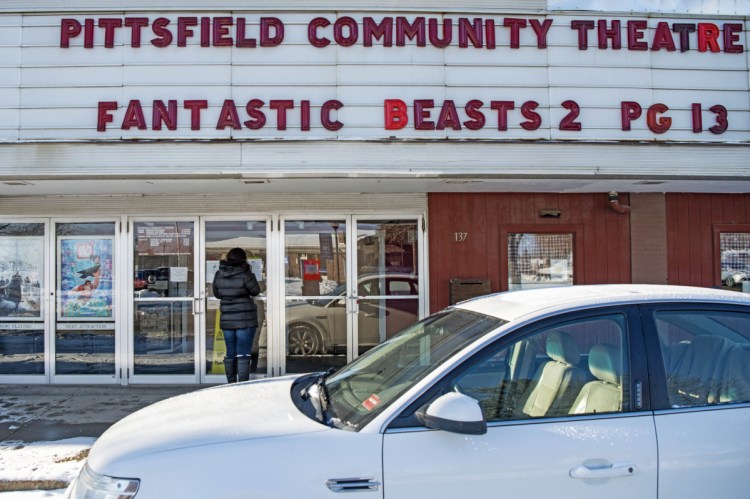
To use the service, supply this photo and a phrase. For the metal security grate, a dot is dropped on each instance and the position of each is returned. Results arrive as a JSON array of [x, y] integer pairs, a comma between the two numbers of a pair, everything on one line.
[[539, 260]]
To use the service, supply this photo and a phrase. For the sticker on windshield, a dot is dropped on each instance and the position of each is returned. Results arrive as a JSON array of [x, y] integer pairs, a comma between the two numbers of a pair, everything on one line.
[[371, 402]]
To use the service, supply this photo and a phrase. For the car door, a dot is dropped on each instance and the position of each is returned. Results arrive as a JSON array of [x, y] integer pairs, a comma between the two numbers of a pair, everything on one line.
[[701, 373], [548, 434]]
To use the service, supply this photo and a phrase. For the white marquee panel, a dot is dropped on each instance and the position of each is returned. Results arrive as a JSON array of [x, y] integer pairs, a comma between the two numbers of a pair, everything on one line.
[[297, 75], [35, 56], [60, 88], [10, 57], [483, 76], [392, 76], [316, 95], [282, 55], [599, 98], [70, 97], [387, 55], [681, 79], [502, 56], [373, 96], [69, 76], [177, 75]]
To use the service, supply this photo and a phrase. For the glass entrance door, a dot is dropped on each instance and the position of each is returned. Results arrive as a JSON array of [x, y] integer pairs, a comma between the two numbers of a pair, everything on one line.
[[317, 312], [219, 237], [86, 305], [386, 273], [350, 283], [23, 292], [165, 304]]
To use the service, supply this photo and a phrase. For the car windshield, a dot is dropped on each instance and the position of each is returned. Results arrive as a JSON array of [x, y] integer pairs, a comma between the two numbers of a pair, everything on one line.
[[364, 388]]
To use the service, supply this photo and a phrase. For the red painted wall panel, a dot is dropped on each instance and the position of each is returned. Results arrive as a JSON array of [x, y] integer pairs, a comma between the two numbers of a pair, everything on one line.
[[604, 246], [692, 220]]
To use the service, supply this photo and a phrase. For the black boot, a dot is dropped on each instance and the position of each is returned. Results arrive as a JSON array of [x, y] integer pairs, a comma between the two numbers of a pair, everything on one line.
[[243, 368], [230, 367]]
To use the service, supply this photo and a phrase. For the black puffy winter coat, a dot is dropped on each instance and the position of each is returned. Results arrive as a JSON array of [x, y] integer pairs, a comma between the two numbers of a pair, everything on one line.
[[235, 285]]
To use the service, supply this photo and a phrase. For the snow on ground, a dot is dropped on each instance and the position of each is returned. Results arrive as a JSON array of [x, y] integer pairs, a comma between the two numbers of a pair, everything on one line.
[[33, 494], [42, 461]]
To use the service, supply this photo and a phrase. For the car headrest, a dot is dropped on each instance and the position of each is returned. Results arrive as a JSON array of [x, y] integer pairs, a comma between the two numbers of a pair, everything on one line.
[[605, 363], [562, 348]]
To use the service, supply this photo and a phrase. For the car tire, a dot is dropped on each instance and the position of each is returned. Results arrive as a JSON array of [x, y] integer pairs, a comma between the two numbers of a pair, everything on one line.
[[304, 340], [729, 282]]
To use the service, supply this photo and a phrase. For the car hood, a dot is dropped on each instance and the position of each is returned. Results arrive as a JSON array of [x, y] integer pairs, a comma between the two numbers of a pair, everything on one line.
[[242, 411]]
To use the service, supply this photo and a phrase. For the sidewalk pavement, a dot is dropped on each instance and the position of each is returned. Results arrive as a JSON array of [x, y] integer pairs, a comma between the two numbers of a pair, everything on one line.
[[47, 430], [36, 413]]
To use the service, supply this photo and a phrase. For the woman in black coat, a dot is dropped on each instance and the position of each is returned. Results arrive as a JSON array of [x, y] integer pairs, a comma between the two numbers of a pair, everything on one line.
[[235, 285]]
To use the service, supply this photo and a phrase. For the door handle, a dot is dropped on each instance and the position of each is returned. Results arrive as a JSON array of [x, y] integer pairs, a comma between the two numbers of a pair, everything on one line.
[[614, 470], [352, 305]]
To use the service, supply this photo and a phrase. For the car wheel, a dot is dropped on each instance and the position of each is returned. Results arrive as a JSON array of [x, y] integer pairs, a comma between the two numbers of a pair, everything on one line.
[[304, 340], [729, 282]]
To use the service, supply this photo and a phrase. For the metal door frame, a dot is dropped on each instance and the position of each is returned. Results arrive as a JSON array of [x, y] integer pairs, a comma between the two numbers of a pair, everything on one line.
[[351, 220], [118, 302], [352, 284], [129, 376], [206, 378]]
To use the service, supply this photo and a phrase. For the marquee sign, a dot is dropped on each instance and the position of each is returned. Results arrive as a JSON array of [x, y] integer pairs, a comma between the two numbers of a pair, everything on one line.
[[381, 76]]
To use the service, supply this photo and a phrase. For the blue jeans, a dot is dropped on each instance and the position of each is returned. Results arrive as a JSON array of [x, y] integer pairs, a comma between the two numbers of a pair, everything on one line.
[[239, 342]]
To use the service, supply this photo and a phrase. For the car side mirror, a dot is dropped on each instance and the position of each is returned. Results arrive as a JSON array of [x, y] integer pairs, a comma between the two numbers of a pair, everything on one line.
[[456, 413]]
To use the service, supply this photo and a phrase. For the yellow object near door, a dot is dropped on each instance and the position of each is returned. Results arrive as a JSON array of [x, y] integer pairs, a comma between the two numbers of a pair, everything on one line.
[[220, 348]]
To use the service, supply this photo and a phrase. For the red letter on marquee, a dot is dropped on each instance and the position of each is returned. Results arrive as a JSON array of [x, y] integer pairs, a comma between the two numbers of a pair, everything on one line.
[[195, 107], [69, 28], [396, 116], [228, 116], [629, 111], [281, 106], [103, 115], [134, 116], [312, 32], [325, 115], [658, 124], [708, 36]]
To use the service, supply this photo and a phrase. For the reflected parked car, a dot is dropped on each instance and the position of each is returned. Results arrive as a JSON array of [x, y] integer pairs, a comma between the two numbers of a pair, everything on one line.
[[616, 391], [731, 278], [319, 326]]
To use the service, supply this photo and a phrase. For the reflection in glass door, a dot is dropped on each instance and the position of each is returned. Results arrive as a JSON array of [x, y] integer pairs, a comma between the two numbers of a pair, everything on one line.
[[220, 237], [387, 277], [315, 294], [163, 340], [350, 284]]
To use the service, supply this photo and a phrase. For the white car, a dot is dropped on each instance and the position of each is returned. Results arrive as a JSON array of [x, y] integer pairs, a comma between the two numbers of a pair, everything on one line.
[[617, 391]]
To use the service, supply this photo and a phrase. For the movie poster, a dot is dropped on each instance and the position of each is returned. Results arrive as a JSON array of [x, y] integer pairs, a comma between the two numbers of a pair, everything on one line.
[[21, 275], [85, 280]]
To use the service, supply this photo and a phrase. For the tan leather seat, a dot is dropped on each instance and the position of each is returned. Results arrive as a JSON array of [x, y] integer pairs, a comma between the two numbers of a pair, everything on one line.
[[735, 381], [556, 382], [695, 370], [604, 394]]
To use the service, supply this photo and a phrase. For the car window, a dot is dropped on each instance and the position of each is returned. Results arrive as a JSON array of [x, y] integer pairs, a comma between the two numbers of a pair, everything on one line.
[[705, 355], [399, 287], [571, 368], [368, 385]]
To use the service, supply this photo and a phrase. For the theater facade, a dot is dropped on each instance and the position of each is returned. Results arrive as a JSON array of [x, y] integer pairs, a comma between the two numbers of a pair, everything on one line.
[[377, 161]]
